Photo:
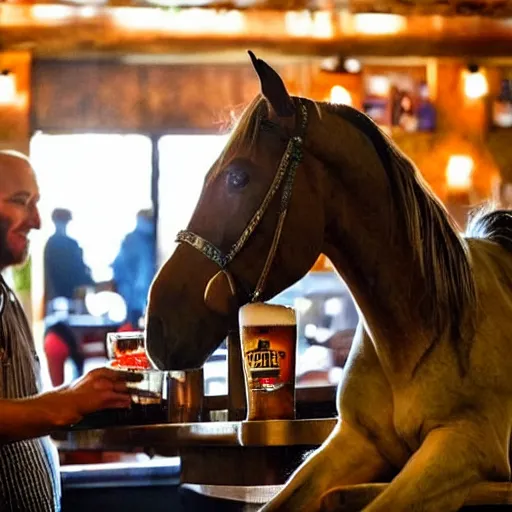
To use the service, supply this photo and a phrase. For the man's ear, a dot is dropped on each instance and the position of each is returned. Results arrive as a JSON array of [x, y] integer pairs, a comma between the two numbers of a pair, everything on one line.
[[273, 88]]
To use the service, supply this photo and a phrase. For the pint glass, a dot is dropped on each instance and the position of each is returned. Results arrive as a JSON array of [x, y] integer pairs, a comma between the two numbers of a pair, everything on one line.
[[268, 334], [126, 352]]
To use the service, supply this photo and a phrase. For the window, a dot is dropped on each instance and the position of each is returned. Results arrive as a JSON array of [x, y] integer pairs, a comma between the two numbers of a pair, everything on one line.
[[184, 162], [103, 179]]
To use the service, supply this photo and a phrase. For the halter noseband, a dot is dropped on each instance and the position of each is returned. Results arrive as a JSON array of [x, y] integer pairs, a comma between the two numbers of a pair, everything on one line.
[[285, 175]]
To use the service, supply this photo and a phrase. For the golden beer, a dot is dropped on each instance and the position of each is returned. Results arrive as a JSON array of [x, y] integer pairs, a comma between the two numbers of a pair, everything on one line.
[[268, 334]]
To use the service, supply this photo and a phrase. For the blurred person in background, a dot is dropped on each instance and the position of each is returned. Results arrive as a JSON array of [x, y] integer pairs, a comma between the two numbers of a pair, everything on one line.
[[134, 267], [64, 267], [61, 344], [344, 327]]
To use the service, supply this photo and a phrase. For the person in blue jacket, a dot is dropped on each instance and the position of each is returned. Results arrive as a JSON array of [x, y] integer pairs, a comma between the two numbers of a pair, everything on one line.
[[64, 266], [135, 265]]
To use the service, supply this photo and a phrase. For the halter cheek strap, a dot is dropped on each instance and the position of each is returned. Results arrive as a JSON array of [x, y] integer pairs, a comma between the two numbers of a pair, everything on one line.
[[284, 177]]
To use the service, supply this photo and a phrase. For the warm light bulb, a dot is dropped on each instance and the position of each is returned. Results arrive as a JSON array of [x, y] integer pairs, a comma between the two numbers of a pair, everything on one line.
[[88, 11], [7, 88], [53, 13], [322, 25], [378, 85], [377, 23], [353, 65], [475, 85], [340, 95], [458, 172], [298, 23]]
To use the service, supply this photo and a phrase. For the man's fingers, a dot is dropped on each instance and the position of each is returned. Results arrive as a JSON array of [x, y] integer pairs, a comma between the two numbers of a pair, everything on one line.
[[118, 386], [119, 405], [127, 376], [118, 375], [121, 387], [110, 398]]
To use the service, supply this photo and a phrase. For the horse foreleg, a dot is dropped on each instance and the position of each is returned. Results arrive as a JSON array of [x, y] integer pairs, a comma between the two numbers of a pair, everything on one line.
[[346, 457], [441, 473]]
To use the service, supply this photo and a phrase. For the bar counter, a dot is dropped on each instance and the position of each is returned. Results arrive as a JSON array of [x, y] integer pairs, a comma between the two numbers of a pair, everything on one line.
[[166, 437]]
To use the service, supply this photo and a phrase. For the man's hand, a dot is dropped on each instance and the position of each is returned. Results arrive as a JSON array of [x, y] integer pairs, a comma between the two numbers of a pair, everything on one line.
[[40, 415], [99, 389]]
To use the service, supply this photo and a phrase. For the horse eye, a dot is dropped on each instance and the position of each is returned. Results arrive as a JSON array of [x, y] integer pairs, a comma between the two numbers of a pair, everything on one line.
[[237, 179]]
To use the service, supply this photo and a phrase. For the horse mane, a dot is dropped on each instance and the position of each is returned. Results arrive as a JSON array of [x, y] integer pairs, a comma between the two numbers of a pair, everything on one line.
[[244, 133], [491, 224], [441, 252]]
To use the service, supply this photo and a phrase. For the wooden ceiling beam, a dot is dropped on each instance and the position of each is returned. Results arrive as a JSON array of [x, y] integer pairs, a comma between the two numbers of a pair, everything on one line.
[[104, 34], [488, 8], [62, 45], [448, 8]]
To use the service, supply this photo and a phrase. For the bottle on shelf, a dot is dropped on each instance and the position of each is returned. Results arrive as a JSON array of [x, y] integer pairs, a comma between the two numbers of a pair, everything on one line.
[[502, 107], [426, 110]]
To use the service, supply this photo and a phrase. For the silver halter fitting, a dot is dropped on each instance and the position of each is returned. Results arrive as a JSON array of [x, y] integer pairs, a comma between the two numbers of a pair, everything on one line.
[[285, 175]]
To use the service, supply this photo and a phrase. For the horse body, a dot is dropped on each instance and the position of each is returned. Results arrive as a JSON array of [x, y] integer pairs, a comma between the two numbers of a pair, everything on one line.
[[426, 397], [467, 419]]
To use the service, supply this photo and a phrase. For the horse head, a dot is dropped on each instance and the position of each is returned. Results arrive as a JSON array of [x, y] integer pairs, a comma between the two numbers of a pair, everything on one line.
[[257, 228], [298, 178]]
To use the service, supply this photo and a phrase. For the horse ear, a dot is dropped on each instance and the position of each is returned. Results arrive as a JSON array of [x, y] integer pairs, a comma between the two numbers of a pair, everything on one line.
[[273, 88]]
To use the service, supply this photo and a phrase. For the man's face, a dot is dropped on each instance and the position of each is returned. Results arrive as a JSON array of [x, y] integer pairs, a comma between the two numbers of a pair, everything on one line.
[[19, 195]]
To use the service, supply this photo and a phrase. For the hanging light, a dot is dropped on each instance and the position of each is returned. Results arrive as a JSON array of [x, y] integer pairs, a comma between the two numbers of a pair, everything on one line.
[[352, 65], [377, 23], [378, 85], [458, 173], [475, 82], [7, 87], [340, 95], [341, 65]]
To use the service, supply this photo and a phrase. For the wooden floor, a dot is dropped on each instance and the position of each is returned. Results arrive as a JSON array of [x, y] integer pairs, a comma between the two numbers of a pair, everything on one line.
[[488, 496]]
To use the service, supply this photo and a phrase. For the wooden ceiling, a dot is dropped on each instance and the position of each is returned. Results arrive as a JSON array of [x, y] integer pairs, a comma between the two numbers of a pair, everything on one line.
[[95, 28], [97, 40], [487, 8]]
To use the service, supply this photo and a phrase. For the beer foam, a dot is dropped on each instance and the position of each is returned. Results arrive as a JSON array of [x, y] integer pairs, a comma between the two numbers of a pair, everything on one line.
[[259, 313]]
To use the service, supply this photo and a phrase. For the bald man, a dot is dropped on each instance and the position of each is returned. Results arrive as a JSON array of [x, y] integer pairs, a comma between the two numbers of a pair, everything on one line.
[[29, 476]]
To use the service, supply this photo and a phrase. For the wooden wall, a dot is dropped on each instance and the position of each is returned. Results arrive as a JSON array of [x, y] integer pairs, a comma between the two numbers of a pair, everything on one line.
[[109, 96]]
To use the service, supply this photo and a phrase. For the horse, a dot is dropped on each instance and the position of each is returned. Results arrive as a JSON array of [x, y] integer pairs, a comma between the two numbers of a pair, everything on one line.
[[425, 402]]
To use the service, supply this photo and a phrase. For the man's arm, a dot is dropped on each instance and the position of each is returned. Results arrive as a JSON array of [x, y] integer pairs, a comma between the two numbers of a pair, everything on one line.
[[30, 417], [40, 415]]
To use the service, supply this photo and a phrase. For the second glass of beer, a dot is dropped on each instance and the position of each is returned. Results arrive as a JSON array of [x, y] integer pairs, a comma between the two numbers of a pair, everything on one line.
[[268, 334]]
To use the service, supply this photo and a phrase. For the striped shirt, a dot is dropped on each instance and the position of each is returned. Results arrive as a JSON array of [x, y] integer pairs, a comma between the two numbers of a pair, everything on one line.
[[29, 474]]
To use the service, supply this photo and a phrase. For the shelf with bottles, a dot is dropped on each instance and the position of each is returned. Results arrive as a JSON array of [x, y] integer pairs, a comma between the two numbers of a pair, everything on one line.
[[399, 102], [502, 104]]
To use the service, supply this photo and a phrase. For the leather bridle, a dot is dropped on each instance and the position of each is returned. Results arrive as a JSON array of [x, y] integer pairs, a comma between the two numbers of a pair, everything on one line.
[[284, 177]]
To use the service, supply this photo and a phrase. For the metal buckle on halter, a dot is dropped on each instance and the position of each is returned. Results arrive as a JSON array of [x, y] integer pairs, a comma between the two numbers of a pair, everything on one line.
[[285, 173]]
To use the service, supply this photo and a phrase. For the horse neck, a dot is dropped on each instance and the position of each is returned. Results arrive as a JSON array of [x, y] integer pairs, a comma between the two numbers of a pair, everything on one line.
[[386, 286], [366, 240]]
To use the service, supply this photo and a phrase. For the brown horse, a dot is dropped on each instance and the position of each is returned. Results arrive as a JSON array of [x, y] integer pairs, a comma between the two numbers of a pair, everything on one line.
[[426, 398]]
